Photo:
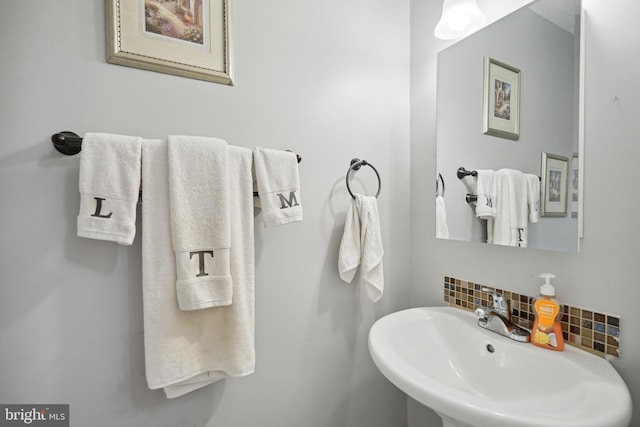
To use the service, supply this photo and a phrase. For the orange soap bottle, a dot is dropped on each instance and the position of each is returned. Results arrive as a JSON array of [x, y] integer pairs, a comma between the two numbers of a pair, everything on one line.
[[547, 331]]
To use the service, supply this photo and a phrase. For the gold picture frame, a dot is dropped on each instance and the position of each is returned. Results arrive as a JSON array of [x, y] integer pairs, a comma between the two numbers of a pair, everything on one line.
[[501, 106], [188, 38]]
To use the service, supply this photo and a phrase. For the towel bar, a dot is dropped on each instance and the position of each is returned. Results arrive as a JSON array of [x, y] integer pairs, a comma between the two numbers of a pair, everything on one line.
[[462, 172], [70, 143], [355, 165]]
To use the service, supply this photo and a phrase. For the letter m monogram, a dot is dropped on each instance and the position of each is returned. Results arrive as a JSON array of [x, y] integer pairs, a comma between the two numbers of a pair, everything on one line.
[[287, 203]]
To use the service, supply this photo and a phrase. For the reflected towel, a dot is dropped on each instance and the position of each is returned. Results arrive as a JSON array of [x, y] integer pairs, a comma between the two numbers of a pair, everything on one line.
[[486, 191], [442, 229], [533, 196]]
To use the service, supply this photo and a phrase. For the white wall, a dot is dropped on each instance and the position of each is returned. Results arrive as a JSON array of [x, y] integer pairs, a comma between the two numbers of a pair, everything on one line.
[[329, 80], [604, 274]]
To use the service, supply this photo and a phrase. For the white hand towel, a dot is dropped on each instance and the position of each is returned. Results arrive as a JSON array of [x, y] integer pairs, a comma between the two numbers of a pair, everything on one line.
[[187, 350], [350, 250], [200, 215], [109, 187], [511, 223], [278, 183], [486, 191], [533, 196], [362, 246], [442, 229]]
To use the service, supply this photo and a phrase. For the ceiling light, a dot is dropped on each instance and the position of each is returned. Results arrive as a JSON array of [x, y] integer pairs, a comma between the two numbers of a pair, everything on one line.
[[459, 18]]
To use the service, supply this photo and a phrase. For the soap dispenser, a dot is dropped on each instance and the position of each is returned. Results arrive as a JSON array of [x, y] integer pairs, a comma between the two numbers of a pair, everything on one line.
[[547, 331]]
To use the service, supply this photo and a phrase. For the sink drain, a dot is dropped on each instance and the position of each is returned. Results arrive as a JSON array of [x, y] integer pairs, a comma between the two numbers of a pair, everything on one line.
[[490, 348]]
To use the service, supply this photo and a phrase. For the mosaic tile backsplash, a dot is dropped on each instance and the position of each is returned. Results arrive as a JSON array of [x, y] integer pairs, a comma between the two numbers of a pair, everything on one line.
[[587, 329]]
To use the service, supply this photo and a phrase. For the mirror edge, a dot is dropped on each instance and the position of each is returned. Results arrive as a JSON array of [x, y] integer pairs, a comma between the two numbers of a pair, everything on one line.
[[581, 120]]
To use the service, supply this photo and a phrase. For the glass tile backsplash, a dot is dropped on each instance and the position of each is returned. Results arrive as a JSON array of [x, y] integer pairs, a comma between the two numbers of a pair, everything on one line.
[[587, 329]]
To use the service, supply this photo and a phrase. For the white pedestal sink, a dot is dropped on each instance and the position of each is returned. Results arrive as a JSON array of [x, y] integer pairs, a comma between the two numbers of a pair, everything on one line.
[[475, 378]]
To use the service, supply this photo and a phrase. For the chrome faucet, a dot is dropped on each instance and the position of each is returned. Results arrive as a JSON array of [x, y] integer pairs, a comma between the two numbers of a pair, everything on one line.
[[498, 319]]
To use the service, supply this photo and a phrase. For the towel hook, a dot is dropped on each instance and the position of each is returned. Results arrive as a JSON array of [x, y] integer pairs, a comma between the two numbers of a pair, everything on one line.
[[355, 165]]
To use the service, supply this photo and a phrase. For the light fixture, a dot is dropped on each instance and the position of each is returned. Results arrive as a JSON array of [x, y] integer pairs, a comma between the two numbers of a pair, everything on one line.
[[459, 18]]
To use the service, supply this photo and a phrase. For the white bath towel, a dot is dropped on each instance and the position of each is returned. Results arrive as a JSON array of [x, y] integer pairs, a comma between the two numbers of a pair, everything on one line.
[[486, 191], [512, 211], [442, 229], [187, 350], [533, 196], [278, 184], [361, 246], [109, 187], [200, 229]]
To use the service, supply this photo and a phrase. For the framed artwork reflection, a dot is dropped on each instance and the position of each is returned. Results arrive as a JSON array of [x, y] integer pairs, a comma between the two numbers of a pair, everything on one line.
[[554, 185], [575, 184], [501, 104], [188, 38]]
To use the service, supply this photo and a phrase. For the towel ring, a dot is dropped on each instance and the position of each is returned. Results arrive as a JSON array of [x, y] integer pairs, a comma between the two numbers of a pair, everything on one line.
[[355, 165]]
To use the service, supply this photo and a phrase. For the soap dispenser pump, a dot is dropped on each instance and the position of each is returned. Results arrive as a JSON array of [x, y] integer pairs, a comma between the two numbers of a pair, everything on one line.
[[547, 331]]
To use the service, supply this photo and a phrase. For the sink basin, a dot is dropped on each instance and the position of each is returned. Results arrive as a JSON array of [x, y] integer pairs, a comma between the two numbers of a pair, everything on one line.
[[473, 377]]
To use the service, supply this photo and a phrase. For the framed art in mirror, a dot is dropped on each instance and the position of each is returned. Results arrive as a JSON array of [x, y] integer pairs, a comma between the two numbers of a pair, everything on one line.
[[188, 38], [501, 99], [575, 185], [554, 185]]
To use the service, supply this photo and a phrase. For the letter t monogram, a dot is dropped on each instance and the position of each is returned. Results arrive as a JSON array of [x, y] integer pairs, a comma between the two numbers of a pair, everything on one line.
[[201, 261]]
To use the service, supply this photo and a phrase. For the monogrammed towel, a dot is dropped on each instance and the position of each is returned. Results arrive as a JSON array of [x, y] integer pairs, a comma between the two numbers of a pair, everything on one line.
[[278, 184], [533, 196], [109, 187], [188, 350], [199, 197], [486, 191], [510, 227]]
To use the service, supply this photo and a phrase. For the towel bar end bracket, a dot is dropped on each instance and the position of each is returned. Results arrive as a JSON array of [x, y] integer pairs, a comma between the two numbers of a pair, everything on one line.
[[68, 143]]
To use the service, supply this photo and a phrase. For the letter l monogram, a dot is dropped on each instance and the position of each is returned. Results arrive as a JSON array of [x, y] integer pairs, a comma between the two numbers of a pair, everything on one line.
[[99, 208]]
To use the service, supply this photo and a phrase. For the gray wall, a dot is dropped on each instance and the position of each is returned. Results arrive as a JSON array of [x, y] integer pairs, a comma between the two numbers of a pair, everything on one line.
[[604, 274], [329, 80], [544, 54]]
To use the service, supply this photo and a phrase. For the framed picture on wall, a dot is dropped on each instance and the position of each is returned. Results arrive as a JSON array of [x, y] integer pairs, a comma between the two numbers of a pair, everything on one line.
[[575, 185], [554, 185], [501, 106], [188, 38]]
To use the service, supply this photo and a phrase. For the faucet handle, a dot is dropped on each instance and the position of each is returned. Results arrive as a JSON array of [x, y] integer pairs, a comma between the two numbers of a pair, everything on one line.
[[500, 304]]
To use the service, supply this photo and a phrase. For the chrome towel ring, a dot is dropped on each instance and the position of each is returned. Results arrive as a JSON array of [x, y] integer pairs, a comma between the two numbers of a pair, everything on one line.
[[355, 165]]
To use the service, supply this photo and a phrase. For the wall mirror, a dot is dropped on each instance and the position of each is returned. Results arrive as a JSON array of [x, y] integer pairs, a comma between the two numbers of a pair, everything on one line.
[[540, 45]]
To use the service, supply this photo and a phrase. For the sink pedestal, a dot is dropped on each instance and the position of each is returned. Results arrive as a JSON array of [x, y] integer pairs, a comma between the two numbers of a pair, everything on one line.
[[449, 422]]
